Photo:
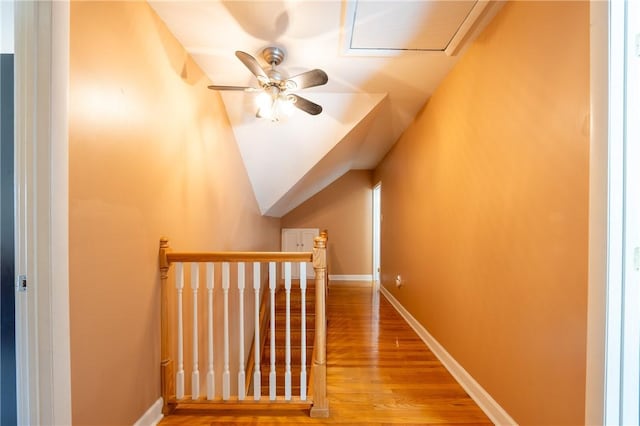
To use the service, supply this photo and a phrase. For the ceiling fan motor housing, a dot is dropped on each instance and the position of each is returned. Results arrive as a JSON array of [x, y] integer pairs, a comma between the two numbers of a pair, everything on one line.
[[273, 55]]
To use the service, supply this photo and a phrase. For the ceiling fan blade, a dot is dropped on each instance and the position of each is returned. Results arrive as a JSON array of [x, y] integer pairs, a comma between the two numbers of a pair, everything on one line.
[[306, 105], [252, 64], [307, 79], [239, 88]]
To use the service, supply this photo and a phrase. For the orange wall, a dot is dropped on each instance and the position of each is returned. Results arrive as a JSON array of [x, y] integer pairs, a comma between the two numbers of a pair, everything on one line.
[[485, 202], [344, 209], [151, 154]]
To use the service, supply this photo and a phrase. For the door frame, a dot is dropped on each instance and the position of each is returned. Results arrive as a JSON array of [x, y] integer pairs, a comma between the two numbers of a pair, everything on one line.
[[8, 403], [612, 236], [376, 233], [622, 372], [42, 206]]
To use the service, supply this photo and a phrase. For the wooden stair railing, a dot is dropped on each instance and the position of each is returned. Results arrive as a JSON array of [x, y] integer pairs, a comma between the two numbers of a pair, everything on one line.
[[175, 354]]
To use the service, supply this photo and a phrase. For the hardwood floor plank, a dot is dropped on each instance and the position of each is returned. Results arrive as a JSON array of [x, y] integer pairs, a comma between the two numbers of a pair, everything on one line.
[[379, 372]]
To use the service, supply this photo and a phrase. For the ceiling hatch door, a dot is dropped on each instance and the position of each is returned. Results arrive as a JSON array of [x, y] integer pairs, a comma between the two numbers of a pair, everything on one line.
[[392, 27]]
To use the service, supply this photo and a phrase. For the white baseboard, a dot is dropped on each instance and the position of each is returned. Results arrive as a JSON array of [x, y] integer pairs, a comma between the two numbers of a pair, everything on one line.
[[491, 408], [152, 416], [365, 277]]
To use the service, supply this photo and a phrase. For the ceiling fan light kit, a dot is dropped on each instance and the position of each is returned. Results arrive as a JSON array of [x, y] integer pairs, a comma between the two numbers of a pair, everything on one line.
[[274, 106], [275, 99]]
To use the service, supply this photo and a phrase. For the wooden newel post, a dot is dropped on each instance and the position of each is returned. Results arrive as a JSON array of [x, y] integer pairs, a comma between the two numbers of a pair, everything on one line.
[[320, 403], [167, 385], [324, 234]]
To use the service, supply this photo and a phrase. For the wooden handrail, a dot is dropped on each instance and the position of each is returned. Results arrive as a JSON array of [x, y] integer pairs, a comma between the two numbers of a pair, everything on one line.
[[239, 256]]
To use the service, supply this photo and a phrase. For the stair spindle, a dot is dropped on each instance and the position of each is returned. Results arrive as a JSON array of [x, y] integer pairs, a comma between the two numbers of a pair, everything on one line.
[[210, 372], [180, 372], [195, 372], [287, 335], [303, 331], [256, 344], [272, 291], [241, 373], [226, 386]]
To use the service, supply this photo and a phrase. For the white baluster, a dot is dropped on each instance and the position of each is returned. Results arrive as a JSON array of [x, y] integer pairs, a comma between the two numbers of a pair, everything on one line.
[[180, 373], [241, 374], [225, 311], [287, 336], [210, 372], [256, 342], [195, 372], [303, 331], [272, 291]]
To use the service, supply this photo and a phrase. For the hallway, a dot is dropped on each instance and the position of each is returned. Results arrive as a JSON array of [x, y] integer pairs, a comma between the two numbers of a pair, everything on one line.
[[379, 372]]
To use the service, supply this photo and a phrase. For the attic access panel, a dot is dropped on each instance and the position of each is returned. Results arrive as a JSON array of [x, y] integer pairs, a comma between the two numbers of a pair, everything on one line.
[[427, 25]]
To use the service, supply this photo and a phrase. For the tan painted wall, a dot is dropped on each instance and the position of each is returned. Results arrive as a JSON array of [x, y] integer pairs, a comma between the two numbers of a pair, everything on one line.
[[485, 202], [344, 209], [151, 154]]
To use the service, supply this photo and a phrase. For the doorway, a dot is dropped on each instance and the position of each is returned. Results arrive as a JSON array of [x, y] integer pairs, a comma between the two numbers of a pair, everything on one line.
[[377, 226], [41, 142], [8, 407], [622, 370]]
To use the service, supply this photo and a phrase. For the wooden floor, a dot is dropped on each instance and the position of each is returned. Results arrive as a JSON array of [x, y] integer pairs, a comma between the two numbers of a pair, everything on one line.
[[378, 372]]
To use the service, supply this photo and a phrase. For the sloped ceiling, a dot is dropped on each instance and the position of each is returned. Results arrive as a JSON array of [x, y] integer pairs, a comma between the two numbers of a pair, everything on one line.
[[383, 59]]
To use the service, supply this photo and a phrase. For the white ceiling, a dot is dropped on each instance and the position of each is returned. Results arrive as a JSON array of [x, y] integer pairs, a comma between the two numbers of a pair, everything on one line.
[[383, 59]]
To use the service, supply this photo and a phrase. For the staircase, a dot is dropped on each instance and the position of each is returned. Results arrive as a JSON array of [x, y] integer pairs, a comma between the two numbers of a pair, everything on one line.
[[296, 338]]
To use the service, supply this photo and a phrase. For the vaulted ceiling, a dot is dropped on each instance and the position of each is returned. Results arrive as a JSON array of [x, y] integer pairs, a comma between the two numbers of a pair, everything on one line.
[[384, 59]]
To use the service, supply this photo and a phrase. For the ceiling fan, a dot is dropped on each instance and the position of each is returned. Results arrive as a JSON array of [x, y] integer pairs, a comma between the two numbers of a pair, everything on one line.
[[274, 94]]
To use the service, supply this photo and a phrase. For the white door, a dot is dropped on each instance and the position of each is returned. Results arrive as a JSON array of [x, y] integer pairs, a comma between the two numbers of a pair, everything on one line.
[[291, 243], [306, 239], [290, 240], [299, 240]]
